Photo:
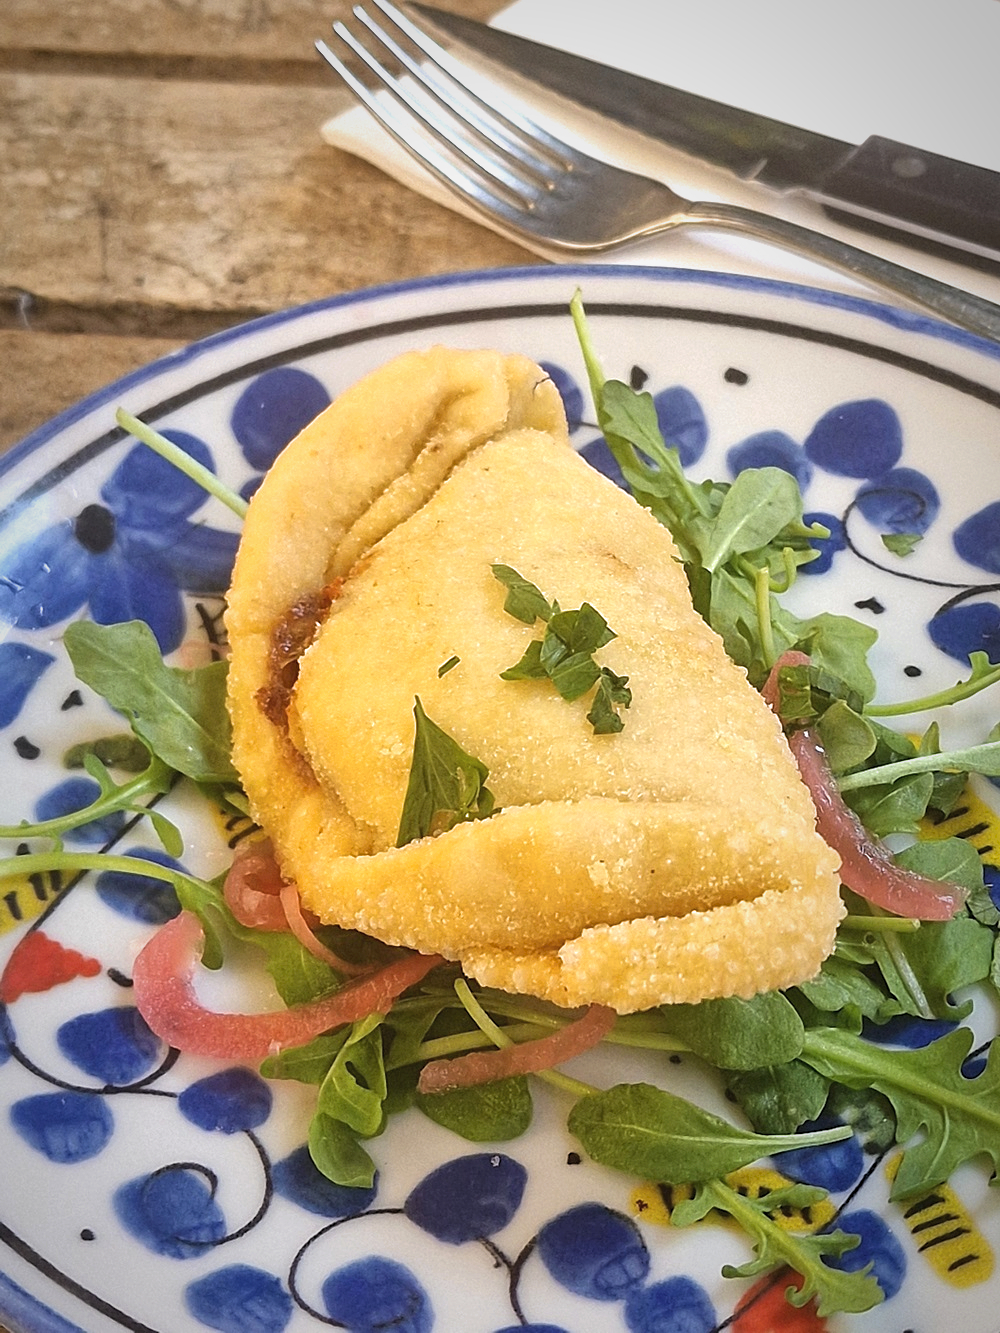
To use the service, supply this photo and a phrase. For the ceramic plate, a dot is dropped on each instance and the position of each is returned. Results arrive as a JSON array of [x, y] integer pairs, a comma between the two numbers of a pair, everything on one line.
[[147, 1192]]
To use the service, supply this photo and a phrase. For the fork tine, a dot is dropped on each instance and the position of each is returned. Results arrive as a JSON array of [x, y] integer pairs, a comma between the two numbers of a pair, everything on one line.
[[442, 114], [405, 129], [496, 117]]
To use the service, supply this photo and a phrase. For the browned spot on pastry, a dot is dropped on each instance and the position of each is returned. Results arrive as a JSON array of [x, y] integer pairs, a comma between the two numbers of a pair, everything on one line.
[[291, 636]]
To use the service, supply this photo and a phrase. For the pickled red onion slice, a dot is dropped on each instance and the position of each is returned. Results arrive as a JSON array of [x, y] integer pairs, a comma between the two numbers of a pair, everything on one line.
[[165, 996], [867, 866], [529, 1057]]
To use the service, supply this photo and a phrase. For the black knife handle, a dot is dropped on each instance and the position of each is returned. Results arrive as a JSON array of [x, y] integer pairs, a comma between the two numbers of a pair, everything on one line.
[[902, 185]]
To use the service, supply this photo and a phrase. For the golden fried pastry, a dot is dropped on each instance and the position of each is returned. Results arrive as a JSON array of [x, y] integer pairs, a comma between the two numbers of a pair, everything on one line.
[[673, 860]]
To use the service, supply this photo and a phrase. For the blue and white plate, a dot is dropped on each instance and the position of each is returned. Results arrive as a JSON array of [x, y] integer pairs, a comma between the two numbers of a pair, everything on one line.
[[142, 1191]]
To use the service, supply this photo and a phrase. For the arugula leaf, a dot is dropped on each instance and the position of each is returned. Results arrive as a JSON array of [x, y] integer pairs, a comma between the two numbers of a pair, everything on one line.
[[491, 1112], [309, 1063], [957, 1118], [760, 504], [901, 543], [337, 1153], [738, 1034], [834, 1290], [776, 1099], [354, 1089], [181, 715], [648, 1132], [124, 751], [446, 786]]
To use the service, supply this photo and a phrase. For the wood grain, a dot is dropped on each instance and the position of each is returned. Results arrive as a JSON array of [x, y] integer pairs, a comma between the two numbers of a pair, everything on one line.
[[247, 29], [158, 184]]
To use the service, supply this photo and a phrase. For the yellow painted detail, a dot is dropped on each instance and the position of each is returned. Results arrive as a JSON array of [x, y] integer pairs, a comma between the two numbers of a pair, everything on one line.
[[655, 1203], [22, 899], [233, 827], [971, 819], [945, 1234]]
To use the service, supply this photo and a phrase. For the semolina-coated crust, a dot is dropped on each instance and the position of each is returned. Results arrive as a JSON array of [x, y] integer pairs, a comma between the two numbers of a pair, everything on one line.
[[677, 859]]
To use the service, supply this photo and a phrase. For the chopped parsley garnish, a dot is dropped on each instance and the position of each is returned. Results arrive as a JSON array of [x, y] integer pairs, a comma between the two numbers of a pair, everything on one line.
[[446, 786], [565, 653]]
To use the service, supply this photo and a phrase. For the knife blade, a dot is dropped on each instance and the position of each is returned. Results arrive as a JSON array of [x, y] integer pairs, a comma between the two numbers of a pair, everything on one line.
[[935, 203]]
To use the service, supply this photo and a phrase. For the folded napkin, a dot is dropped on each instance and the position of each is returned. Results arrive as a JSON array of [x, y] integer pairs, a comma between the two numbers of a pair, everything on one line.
[[920, 74]]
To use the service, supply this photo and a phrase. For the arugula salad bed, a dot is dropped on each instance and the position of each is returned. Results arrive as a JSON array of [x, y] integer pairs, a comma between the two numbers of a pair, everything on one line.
[[787, 1059]]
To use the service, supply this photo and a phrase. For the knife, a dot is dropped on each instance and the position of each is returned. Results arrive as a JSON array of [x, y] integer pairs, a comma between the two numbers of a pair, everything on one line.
[[903, 193]]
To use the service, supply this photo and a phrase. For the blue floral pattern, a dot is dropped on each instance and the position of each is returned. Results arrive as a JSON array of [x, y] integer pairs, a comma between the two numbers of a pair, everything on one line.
[[209, 1187], [126, 557]]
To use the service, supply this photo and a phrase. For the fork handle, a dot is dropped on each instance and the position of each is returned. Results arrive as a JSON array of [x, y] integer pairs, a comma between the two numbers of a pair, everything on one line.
[[962, 308]]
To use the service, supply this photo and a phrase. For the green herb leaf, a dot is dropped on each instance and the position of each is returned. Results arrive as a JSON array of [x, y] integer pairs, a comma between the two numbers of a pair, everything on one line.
[[834, 1290], [446, 786], [645, 1131], [524, 601], [337, 1153], [901, 543], [491, 1112], [124, 751], [956, 1118], [776, 1099], [181, 715], [565, 653], [738, 1034], [355, 1085]]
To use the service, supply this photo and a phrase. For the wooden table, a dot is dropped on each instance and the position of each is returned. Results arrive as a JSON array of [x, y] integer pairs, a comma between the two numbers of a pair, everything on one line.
[[162, 176]]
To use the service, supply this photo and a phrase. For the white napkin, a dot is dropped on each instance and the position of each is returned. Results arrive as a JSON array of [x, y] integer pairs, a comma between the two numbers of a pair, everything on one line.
[[921, 72]]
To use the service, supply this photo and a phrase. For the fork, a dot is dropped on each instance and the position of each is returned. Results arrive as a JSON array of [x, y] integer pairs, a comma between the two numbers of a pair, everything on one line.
[[485, 148]]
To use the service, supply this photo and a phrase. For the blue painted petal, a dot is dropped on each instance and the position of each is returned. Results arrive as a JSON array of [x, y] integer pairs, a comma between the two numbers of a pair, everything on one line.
[[595, 1252], [878, 1246], [172, 1212], [831, 1166], [230, 1101], [771, 448], [682, 422], [858, 439], [977, 540], [468, 1198], [6, 1034], [200, 559], [272, 409], [74, 794], [599, 456], [968, 628], [903, 500], [240, 1299], [908, 1031], [145, 490], [46, 579], [827, 546], [20, 668], [569, 392], [371, 1295], [65, 1127], [114, 1045], [140, 897], [676, 1305], [297, 1178], [138, 589]]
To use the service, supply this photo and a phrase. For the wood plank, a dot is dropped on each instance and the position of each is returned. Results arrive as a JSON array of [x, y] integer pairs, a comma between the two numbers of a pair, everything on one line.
[[44, 373], [270, 30], [141, 198]]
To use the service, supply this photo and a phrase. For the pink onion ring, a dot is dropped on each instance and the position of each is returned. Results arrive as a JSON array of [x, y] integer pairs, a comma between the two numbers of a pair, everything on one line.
[[164, 994], [529, 1057]]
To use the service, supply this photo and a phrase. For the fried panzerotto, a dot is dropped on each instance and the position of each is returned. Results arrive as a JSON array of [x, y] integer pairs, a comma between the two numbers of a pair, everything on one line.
[[671, 861]]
